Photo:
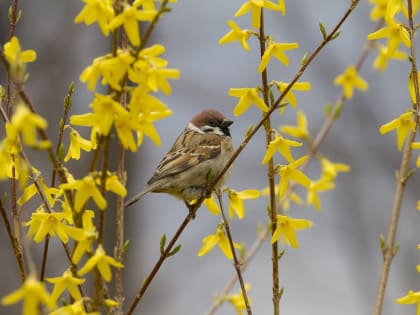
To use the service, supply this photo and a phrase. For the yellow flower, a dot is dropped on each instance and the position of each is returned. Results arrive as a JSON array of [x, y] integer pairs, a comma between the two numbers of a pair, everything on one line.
[[130, 18], [220, 239], [102, 262], [278, 51], [43, 223], [290, 97], [125, 124], [411, 87], [281, 145], [15, 55], [113, 184], [330, 169], [316, 187], [396, 33], [33, 294], [416, 146], [101, 119], [76, 143], [26, 123], [236, 34], [211, 205], [155, 78], [379, 10], [286, 229], [285, 202], [291, 173], [66, 282], [255, 7], [383, 57], [86, 239], [300, 130], [350, 79], [247, 96], [31, 190], [237, 300], [404, 124], [100, 11], [411, 298], [236, 201], [85, 189], [77, 308]]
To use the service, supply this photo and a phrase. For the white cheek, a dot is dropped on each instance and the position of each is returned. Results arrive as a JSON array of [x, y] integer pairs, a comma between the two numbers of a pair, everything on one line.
[[194, 128]]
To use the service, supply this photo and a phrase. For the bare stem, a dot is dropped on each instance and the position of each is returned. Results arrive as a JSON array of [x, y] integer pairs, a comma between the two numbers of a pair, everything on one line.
[[389, 249], [119, 229], [17, 247], [163, 256], [236, 262], [270, 176]]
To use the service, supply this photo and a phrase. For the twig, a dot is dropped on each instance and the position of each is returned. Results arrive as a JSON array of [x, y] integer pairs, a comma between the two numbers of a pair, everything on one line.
[[389, 249], [236, 262], [17, 247], [163, 256], [245, 263], [270, 175], [119, 228]]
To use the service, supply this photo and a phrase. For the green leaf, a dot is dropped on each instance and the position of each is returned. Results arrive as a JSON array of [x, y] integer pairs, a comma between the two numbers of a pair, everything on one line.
[[175, 250], [323, 31], [336, 34], [382, 242], [126, 246], [61, 152], [304, 59], [162, 243], [338, 109], [327, 109], [271, 95]]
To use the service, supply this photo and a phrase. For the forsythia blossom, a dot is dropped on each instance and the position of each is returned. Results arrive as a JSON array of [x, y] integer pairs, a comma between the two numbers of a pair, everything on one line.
[[236, 201], [247, 96], [286, 229], [219, 238], [15, 55], [33, 294], [236, 34], [255, 6], [102, 262], [404, 124], [349, 80]]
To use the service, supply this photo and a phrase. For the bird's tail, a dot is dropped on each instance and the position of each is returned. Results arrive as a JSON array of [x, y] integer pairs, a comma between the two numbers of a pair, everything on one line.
[[136, 198]]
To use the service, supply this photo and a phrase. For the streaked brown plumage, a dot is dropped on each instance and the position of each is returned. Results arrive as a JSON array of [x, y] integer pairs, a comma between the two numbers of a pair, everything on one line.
[[203, 148]]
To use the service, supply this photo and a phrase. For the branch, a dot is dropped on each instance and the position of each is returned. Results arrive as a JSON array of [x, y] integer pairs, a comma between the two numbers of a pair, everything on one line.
[[389, 248], [236, 264]]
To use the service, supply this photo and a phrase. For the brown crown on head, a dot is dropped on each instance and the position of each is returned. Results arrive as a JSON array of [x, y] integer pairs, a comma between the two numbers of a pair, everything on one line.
[[207, 115]]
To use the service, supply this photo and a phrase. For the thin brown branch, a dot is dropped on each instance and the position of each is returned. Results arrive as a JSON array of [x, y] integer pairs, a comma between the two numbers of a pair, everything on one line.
[[17, 247], [166, 253], [119, 228], [236, 262], [389, 248], [270, 175]]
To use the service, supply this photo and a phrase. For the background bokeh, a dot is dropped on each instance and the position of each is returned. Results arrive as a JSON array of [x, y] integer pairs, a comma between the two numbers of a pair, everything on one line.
[[336, 268]]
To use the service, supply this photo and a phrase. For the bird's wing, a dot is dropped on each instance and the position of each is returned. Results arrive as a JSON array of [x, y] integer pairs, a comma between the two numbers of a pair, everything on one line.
[[179, 159]]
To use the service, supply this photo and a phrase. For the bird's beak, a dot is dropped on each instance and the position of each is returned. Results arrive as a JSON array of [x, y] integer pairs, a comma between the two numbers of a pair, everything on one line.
[[226, 123]]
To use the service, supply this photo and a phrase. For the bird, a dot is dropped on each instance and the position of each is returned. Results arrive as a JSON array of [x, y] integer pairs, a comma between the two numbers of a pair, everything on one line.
[[197, 157]]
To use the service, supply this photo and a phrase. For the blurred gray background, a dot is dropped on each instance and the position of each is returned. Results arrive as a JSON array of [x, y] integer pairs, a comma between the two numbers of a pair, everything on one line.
[[336, 268]]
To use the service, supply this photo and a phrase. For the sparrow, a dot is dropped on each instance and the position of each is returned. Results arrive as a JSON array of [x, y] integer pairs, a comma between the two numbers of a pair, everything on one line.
[[198, 155]]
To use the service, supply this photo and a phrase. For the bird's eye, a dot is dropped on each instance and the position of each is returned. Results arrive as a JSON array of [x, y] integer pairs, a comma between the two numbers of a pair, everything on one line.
[[213, 123]]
